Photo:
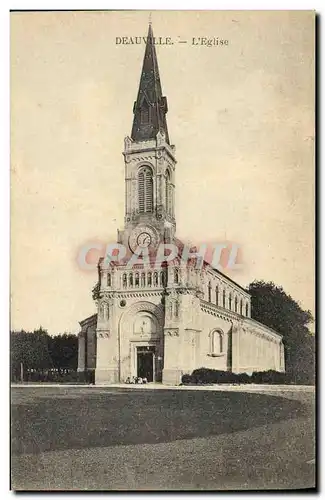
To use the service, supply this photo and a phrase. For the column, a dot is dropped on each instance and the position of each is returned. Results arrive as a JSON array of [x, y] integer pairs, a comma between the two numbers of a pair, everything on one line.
[[107, 357], [282, 358], [81, 352], [172, 372], [235, 343]]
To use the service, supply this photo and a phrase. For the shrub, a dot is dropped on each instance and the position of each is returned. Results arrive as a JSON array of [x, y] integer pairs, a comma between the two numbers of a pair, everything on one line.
[[187, 379], [210, 376], [269, 377], [244, 378]]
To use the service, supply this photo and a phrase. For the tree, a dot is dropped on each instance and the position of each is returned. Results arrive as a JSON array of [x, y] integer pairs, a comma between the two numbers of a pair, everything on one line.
[[64, 351], [39, 351], [31, 349], [278, 310]]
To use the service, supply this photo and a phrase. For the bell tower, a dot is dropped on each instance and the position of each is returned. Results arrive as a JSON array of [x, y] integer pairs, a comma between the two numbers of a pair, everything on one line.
[[149, 162]]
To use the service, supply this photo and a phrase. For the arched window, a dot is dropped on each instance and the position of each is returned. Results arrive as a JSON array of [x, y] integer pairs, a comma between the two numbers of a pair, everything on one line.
[[176, 275], [136, 280], [109, 280], [236, 303], [131, 279], [162, 278], [221, 342], [124, 281], [224, 298], [216, 342], [145, 190], [143, 279], [230, 301], [155, 279], [168, 192], [149, 279], [247, 309], [209, 291], [241, 307], [217, 295]]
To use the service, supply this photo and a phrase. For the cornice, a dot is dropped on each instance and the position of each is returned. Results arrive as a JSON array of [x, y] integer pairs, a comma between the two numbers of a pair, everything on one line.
[[257, 327], [219, 312]]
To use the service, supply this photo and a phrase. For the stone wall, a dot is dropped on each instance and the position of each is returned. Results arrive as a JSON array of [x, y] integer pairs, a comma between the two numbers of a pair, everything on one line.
[[87, 344], [117, 339], [256, 348]]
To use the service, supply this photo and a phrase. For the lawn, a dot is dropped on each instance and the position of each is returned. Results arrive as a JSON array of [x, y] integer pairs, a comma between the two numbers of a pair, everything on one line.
[[48, 419]]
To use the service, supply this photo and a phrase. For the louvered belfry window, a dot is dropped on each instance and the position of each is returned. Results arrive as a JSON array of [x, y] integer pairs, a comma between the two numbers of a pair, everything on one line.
[[145, 190], [167, 192]]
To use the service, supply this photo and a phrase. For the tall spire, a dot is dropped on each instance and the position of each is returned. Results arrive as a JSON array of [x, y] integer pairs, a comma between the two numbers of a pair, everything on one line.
[[150, 107]]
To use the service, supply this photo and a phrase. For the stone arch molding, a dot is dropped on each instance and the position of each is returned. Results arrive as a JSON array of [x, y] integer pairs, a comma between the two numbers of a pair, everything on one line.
[[128, 316]]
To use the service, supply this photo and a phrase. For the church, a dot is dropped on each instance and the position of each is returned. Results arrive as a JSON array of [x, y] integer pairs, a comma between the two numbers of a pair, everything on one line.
[[162, 322]]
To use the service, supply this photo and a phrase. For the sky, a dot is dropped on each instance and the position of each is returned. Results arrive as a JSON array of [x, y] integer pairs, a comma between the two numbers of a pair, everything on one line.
[[241, 116]]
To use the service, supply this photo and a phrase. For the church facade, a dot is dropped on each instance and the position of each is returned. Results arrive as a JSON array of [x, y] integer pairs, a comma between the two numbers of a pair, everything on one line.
[[162, 321]]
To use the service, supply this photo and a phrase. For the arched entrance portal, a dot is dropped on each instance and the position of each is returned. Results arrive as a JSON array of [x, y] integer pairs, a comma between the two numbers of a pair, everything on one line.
[[141, 334], [146, 362], [145, 327]]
